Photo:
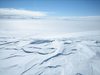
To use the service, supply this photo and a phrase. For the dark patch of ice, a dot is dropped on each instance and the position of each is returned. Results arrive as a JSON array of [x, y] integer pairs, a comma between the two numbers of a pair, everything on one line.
[[53, 66], [37, 47], [51, 48], [41, 41], [42, 53], [98, 54], [35, 52], [74, 49], [78, 74], [97, 42], [40, 73], [67, 43], [27, 51]]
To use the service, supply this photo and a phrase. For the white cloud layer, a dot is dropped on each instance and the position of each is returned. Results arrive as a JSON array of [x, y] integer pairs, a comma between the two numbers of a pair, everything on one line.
[[10, 13], [19, 12], [80, 18]]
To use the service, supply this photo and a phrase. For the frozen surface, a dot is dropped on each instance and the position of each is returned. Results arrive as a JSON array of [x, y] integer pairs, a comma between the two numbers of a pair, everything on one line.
[[50, 56], [38, 51]]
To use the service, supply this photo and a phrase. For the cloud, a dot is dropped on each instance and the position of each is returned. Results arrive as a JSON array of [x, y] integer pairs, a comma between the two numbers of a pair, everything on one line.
[[20, 13], [85, 18], [11, 13]]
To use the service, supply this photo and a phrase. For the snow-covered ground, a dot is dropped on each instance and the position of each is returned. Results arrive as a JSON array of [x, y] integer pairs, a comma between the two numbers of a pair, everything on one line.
[[32, 53]]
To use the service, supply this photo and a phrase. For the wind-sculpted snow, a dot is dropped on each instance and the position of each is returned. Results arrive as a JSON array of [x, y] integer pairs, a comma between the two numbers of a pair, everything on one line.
[[63, 56], [41, 41]]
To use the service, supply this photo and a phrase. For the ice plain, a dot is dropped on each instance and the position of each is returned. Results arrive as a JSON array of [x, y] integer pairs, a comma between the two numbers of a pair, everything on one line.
[[34, 52]]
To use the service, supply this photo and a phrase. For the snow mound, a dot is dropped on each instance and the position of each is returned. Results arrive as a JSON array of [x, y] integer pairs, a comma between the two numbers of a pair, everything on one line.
[[57, 56]]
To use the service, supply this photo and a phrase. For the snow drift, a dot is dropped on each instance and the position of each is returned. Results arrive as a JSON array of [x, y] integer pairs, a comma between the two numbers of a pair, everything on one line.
[[40, 54]]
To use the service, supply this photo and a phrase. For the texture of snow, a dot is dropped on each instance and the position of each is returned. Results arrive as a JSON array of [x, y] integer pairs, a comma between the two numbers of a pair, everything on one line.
[[49, 54], [46, 56]]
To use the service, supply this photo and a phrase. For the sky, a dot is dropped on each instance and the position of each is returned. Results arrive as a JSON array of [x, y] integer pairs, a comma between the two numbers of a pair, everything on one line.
[[55, 16], [63, 9]]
